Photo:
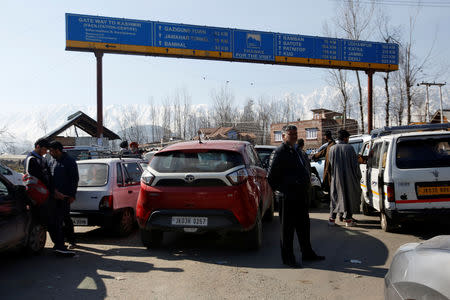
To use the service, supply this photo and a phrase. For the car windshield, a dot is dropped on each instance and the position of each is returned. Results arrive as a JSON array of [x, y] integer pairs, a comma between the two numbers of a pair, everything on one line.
[[357, 145], [429, 152], [195, 161], [264, 154], [95, 174]]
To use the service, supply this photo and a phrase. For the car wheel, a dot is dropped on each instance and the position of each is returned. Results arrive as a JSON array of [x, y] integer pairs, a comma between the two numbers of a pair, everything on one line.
[[387, 223], [151, 238], [268, 216], [37, 237], [126, 222], [254, 236]]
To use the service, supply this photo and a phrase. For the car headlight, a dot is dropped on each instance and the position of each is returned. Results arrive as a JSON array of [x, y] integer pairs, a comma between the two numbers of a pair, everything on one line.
[[147, 177]]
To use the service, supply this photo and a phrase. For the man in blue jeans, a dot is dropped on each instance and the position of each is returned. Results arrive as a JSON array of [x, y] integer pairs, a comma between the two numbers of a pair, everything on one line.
[[65, 182]]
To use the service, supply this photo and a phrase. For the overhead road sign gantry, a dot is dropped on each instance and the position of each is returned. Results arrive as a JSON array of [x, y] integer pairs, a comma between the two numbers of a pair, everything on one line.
[[127, 36]]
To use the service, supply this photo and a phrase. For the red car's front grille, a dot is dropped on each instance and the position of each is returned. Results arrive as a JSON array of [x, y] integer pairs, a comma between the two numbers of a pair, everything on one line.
[[195, 183]]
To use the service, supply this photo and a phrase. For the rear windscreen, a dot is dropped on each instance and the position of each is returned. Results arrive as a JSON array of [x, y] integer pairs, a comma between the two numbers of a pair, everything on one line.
[[264, 154], [93, 174], [193, 161], [426, 152]]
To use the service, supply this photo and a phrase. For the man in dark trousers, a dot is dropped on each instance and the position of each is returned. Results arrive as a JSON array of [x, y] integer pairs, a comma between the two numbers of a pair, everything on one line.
[[36, 165], [288, 174], [65, 181]]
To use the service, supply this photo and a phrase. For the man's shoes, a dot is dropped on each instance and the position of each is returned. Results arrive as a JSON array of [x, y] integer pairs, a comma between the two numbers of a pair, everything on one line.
[[64, 252], [292, 264], [312, 257], [331, 222], [350, 223], [341, 218]]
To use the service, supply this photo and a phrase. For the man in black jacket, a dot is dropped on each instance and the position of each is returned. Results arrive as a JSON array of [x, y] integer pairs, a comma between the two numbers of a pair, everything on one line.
[[36, 165], [65, 180], [288, 174]]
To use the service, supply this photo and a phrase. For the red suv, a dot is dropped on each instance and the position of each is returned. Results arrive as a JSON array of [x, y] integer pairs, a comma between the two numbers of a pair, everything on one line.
[[210, 186]]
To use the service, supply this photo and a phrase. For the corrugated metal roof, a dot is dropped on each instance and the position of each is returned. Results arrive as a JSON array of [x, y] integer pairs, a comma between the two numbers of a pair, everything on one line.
[[85, 123]]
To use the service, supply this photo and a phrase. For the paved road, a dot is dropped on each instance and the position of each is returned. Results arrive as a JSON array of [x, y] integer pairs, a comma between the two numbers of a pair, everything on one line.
[[207, 266]]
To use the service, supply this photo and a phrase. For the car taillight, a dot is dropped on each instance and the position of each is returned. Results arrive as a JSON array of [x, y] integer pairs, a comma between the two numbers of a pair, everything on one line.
[[390, 192], [147, 177], [238, 176], [106, 202]]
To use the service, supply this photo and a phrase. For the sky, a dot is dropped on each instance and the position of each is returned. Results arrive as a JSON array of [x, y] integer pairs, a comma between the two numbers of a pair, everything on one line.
[[37, 71]]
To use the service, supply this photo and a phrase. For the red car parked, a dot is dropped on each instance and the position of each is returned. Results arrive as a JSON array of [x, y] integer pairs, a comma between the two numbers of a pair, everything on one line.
[[210, 186]]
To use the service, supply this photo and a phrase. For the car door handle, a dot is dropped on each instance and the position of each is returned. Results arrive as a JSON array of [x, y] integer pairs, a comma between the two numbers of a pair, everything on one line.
[[129, 192]]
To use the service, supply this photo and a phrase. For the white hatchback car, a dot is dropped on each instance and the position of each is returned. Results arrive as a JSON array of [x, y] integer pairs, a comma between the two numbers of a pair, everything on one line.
[[107, 193], [13, 176]]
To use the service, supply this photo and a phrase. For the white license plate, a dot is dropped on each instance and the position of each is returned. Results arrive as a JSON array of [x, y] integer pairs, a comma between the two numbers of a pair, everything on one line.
[[80, 221], [193, 221]]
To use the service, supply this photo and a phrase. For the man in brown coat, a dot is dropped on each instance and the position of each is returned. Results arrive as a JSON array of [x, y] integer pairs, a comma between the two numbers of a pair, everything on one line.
[[324, 153]]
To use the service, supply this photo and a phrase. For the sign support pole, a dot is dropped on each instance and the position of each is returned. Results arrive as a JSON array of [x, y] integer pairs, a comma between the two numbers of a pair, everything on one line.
[[369, 100], [99, 56]]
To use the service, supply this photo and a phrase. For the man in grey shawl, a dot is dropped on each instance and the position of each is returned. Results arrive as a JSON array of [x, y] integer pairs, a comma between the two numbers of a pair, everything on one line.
[[345, 190]]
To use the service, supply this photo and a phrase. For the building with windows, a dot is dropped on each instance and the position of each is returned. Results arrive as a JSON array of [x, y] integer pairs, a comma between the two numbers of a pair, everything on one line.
[[313, 131]]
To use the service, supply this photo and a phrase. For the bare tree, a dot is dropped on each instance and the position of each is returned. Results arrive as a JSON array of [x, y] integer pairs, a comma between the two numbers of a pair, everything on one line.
[[223, 109], [264, 113], [186, 114], [7, 139], [42, 122], [338, 79], [354, 18], [166, 119], [131, 125], [398, 98], [153, 121], [388, 34], [204, 119], [411, 66]]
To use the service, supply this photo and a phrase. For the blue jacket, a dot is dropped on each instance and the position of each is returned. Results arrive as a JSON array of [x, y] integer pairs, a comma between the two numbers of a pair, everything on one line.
[[65, 175]]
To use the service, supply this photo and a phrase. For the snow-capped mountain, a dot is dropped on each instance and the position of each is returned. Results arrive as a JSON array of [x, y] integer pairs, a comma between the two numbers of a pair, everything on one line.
[[29, 124]]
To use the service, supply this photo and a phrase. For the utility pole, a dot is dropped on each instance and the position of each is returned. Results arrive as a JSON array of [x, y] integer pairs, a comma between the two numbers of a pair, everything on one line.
[[428, 84]]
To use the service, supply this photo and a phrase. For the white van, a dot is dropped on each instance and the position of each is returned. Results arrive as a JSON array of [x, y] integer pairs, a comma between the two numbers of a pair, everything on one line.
[[407, 177]]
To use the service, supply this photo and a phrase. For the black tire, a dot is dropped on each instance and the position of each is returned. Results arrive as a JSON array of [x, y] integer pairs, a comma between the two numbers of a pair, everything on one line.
[[387, 224], [254, 236], [125, 222], [37, 236], [151, 238], [268, 216]]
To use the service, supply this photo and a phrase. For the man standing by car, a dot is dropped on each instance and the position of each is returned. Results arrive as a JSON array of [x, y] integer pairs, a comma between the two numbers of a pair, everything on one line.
[[36, 165], [324, 153], [345, 190], [288, 174], [65, 176]]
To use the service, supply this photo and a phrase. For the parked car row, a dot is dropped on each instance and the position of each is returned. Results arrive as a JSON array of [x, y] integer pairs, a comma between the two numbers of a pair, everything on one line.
[[406, 175], [190, 187]]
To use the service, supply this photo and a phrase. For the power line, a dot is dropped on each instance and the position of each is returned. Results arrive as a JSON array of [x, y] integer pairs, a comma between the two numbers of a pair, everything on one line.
[[407, 3]]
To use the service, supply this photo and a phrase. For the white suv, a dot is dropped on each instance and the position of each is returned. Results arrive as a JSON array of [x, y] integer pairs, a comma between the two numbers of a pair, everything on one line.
[[407, 177], [107, 193]]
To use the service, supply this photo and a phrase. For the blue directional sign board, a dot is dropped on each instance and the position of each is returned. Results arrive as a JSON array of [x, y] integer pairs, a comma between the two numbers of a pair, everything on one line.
[[108, 30], [253, 45], [88, 33], [293, 45], [181, 36]]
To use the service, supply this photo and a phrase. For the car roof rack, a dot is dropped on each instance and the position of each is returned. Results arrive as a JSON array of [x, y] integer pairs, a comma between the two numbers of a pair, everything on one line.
[[386, 130]]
